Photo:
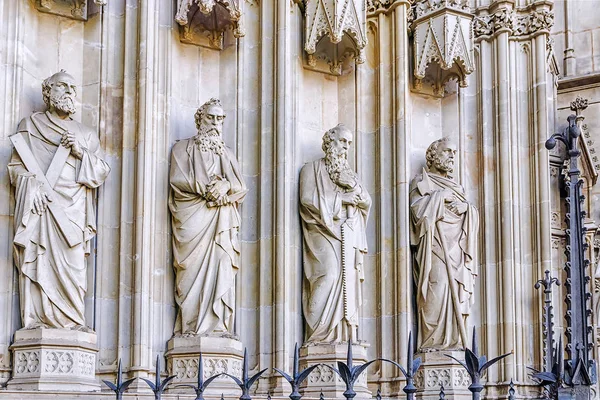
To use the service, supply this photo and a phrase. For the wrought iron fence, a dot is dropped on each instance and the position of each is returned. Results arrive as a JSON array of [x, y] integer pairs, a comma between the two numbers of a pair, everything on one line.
[[348, 372]]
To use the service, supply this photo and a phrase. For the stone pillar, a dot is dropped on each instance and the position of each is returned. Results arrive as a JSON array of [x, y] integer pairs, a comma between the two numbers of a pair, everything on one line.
[[513, 71], [54, 360]]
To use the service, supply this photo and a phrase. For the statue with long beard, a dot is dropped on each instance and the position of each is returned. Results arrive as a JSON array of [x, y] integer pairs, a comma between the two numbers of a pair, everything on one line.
[[444, 234], [207, 189], [56, 166], [334, 207]]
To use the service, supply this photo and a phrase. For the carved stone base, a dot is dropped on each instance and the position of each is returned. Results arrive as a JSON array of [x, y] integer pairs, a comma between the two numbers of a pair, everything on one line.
[[54, 360], [438, 370], [323, 378], [219, 354]]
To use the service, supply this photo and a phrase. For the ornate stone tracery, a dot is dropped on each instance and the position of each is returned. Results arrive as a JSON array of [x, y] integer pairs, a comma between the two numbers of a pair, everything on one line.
[[443, 43], [516, 23], [334, 31]]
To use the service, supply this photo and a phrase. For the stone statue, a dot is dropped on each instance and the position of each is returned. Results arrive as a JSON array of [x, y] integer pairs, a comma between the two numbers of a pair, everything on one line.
[[444, 232], [56, 164], [207, 189], [334, 207]]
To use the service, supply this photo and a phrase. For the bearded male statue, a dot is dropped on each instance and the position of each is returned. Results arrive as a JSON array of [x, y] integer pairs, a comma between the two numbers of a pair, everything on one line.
[[207, 189], [334, 207], [444, 234], [56, 164]]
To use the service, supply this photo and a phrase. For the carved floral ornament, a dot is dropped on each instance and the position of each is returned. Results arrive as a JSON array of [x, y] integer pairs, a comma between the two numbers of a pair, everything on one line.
[[335, 31], [204, 22], [515, 23]]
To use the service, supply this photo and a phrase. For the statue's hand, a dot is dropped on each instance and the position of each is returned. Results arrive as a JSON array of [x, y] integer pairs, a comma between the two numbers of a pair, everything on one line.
[[40, 202], [351, 199], [458, 207], [449, 196], [69, 141], [223, 200], [347, 180], [217, 189]]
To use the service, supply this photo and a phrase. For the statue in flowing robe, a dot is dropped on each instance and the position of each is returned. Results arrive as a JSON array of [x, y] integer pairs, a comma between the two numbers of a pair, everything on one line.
[[55, 167], [444, 234], [334, 207], [207, 189]]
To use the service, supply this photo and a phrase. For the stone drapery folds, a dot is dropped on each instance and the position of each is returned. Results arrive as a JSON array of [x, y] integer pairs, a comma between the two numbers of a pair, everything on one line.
[[334, 207], [206, 190], [56, 164], [444, 234]]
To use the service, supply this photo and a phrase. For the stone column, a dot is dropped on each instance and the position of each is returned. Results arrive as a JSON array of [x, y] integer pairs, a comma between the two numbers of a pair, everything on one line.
[[513, 121]]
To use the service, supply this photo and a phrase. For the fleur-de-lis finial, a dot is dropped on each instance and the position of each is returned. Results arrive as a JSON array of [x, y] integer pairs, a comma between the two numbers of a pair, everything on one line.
[[511, 390], [579, 104]]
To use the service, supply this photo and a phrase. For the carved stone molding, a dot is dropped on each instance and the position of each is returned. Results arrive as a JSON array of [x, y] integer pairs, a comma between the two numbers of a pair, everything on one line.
[[219, 355], [592, 152], [323, 379], [186, 368], [205, 22], [448, 377], [443, 43], [335, 32], [533, 22], [378, 6], [517, 23], [74, 9], [438, 370], [54, 359], [375, 7]]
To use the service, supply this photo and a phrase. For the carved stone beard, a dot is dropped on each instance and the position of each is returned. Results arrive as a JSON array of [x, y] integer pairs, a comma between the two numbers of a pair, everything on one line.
[[336, 162], [209, 139], [64, 103], [445, 166]]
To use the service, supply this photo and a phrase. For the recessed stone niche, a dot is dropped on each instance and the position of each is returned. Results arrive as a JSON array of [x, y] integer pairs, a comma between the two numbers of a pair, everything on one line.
[[206, 22]]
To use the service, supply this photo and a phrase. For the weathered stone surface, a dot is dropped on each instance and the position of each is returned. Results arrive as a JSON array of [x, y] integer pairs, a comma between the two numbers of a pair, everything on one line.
[[334, 208], [46, 360], [445, 230]]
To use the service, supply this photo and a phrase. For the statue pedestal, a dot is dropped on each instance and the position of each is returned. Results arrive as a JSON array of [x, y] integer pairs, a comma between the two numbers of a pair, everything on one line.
[[54, 360], [437, 370], [219, 354], [323, 378]]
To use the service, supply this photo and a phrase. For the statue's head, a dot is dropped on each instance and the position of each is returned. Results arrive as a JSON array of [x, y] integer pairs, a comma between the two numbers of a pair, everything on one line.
[[336, 144], [440, 156], [59, 93], [210, 117], [337, 141]]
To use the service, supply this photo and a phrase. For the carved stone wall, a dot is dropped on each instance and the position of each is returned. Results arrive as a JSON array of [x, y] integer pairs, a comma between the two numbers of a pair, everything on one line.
[[139, 87]]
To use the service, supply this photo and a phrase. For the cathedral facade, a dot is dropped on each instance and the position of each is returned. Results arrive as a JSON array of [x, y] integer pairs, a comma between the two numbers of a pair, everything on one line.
[[221, 158]]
